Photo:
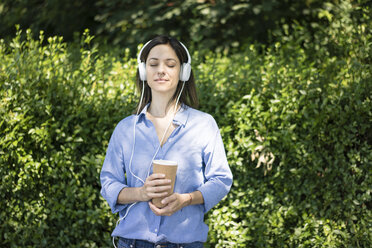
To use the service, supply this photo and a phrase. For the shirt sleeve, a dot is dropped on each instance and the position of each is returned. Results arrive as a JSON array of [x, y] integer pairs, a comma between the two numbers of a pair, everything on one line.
[[217, 172], [112, 174]]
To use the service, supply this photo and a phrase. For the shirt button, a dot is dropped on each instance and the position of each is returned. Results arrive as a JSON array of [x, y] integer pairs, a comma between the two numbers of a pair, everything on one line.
[[156, 230]]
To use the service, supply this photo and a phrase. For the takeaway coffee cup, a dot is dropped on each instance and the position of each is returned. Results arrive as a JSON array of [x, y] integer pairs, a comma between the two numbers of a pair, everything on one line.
[[169, 169]]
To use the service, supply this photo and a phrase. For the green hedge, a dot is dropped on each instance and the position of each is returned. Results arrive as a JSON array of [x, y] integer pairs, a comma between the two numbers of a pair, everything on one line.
[[302, 113], [299, 111]]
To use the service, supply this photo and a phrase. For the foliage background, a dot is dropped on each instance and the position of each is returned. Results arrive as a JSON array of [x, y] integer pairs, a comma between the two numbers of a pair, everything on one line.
[[223, 25], [292, 99]]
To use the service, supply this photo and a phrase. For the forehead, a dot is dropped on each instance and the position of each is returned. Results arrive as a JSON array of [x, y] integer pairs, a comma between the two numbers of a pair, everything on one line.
[[162, 52]]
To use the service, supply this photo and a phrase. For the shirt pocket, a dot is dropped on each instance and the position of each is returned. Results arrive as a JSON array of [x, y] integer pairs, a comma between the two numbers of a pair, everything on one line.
[[190, 173]]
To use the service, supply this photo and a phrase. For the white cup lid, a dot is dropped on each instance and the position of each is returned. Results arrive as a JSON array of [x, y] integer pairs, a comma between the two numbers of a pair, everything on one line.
[[165, 162]]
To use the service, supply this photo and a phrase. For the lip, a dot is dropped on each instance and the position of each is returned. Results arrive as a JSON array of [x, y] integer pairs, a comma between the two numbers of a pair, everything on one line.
[[160, 80]]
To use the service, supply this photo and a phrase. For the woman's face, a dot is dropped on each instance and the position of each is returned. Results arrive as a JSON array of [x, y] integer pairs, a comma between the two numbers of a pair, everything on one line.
[[163, 69]]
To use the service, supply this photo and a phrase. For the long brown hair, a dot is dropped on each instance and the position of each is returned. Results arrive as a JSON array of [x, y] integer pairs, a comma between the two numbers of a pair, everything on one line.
[[189, 95]]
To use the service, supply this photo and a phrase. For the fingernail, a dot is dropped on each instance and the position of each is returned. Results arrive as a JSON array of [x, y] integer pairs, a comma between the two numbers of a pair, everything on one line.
[[168, 181]]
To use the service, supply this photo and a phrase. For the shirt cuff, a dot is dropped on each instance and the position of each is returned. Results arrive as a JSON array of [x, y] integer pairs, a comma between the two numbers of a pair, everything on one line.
[[212, 194], [113, 197]]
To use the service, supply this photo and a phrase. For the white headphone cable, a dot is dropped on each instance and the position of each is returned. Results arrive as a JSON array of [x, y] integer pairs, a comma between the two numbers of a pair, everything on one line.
[[166, 130], [131, 158], [134, 133]]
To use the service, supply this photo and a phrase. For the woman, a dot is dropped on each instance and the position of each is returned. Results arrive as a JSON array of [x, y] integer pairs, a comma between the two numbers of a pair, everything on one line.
[[166, 127]]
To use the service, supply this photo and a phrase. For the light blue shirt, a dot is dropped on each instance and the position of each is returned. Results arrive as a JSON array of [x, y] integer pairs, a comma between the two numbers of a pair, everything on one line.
[[197, 147]]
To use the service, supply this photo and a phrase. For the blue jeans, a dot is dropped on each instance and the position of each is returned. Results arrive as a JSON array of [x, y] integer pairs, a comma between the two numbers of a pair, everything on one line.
[[135, 243]]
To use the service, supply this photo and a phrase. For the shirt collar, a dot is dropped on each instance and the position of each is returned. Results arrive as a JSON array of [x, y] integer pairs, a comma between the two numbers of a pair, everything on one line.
[[180, 118], [181, 115]]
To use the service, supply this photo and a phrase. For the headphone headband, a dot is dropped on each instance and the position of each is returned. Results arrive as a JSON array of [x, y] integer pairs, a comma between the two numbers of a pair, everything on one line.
[[187, 52], [139, 54]]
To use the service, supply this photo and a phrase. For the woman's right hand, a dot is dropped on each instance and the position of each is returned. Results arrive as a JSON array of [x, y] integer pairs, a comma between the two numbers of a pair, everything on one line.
[[155, 186]]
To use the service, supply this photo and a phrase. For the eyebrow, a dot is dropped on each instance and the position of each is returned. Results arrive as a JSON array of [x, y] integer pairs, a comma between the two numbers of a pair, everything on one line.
[[166, 59]]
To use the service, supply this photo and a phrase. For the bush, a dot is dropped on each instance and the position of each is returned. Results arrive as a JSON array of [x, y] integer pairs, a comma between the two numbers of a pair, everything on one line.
[[309, 130], [298, 111], [302, 113], [214, 25], [57, 117], [54, 17]]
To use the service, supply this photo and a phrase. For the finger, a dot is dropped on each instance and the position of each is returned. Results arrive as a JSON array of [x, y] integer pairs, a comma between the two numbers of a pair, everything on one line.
[[159, 189], [161, 182], [157, 195], [155, 182], [166, 211], [169, 199], [156, 176], [157, 211]]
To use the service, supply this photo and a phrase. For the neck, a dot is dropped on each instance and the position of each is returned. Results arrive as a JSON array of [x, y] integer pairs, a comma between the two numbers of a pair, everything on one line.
[[160, 106]]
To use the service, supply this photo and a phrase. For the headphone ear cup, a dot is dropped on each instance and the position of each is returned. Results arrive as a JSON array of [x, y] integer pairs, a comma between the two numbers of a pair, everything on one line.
[[142, 71], [185, 72]]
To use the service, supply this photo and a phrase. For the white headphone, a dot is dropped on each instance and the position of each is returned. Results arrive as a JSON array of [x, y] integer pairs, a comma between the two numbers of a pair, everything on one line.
[[185, 70]]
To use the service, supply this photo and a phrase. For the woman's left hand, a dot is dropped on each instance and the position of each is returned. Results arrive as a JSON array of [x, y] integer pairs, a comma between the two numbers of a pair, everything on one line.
[[173, 203]]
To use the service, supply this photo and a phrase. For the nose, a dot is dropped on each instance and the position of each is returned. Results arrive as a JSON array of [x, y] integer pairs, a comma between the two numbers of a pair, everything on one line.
[[161, 69]]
